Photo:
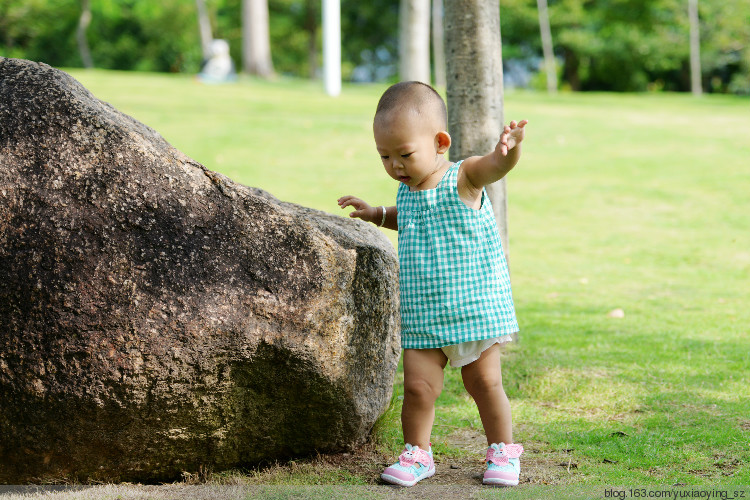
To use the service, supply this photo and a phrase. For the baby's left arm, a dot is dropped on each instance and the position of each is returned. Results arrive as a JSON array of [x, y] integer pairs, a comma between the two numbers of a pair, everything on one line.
[[483, 170]]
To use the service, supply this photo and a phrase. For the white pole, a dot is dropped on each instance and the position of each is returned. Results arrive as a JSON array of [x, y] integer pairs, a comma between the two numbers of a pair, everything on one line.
[[332, 46]]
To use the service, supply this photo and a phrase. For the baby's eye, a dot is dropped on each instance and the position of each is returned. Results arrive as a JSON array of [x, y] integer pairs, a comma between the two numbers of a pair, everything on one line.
[[383, 157], [406, 155]]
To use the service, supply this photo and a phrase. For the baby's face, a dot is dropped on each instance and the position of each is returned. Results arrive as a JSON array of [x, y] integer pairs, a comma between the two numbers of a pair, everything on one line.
[[408, 147]]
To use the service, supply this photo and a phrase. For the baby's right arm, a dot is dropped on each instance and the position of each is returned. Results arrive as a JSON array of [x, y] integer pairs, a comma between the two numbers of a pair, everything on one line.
[[380, 216]]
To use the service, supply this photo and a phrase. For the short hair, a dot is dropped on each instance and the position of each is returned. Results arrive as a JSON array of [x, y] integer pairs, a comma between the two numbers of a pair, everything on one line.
[[418, 96]]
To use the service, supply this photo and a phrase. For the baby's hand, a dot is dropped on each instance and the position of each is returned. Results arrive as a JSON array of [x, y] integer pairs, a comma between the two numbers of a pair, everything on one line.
[[511, 137], [362, 210]]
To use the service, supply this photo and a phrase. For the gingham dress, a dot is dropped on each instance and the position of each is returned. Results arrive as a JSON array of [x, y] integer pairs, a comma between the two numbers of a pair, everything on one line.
[[454, 279]]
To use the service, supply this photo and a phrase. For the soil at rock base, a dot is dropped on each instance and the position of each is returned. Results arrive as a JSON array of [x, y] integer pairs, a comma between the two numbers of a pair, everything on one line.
[[456, 478], [465, 473]]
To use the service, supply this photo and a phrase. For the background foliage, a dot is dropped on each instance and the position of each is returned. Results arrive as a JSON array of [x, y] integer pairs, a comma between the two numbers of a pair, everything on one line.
[[618, 45], [636, 45]]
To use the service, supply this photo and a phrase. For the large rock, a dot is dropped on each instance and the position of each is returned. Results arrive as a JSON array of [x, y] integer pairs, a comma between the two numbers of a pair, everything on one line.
[[156, 317]]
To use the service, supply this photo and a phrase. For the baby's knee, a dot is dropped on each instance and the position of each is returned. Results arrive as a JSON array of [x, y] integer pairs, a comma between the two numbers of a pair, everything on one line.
[[419, 388], [484, 383]]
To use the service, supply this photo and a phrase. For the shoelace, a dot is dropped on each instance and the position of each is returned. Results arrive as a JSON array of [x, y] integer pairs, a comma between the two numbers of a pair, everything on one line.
[[414, 455], [501, 455]]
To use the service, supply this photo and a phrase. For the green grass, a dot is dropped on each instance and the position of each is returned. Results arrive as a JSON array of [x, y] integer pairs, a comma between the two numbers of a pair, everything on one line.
[[638, 202], [286, 137]]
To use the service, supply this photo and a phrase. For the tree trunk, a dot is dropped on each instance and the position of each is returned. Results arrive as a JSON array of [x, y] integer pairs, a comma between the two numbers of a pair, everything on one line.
[[83, 24], [438, 43], [695, 48], [475, 87], [311, 26], [414, 40], [204, 24], [256, 39], [549, 54]]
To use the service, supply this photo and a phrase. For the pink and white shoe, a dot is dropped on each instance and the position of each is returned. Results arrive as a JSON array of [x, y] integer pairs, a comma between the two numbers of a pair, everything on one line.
[[503, 464], [413, 465]]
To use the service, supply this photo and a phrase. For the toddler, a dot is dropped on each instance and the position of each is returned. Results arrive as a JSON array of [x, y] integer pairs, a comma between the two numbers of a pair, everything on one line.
[[456, 302]]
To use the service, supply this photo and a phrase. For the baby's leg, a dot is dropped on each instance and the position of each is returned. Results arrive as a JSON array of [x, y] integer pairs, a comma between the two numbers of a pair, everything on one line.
[[423, 382], [484, 381]]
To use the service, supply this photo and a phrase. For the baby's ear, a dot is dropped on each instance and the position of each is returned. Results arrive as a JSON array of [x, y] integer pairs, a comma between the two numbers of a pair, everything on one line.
[[442, 142]]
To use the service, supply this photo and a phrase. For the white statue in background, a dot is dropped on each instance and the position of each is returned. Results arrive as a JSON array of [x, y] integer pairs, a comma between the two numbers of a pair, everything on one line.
[[219, 67]]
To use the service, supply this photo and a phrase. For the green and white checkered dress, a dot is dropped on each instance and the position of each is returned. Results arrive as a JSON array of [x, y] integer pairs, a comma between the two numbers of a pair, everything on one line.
[[454, 279]]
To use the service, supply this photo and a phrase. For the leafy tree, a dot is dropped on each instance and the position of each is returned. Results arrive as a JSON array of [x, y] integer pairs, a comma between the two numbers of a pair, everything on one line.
[[621, 45], [635, 45], [123, 34], [370, 35], [151, 36], [725, 45], [618, 44], [35, 29]]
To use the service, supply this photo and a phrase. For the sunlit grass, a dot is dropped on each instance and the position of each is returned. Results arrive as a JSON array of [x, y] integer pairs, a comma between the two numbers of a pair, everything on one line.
[[638, 202]]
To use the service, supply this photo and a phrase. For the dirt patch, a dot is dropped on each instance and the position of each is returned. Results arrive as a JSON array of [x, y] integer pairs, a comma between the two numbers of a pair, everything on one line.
[[539, 465], [726, 465], [327, 477]]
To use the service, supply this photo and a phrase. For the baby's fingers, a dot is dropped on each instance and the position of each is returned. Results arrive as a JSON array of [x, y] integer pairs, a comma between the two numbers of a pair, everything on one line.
[[504, 135], [346, 201], [360, 207]]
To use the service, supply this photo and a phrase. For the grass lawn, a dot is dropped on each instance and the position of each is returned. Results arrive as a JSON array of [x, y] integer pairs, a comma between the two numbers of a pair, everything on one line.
[[632, 202]]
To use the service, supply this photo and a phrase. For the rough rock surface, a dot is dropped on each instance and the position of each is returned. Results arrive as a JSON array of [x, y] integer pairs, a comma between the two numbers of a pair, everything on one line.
[[156, 317]]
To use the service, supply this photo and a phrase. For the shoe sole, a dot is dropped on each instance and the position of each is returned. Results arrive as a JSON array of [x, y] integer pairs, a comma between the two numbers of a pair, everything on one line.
[[400, 482], [500, 482]]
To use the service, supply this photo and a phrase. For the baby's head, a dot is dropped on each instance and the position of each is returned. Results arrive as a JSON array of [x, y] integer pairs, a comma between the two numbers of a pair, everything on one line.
[[410, 130], [415, 98]]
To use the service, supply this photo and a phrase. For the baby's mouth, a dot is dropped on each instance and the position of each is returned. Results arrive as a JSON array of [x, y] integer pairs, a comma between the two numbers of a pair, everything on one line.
[[403, 178]]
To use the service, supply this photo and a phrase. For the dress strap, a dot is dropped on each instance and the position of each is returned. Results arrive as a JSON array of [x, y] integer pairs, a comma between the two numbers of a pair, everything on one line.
[[450, 179]]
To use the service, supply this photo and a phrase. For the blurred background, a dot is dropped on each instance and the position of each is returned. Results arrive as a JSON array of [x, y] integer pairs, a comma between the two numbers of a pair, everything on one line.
[[609, 45]]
